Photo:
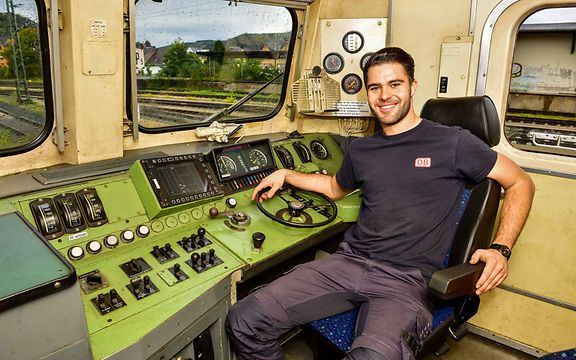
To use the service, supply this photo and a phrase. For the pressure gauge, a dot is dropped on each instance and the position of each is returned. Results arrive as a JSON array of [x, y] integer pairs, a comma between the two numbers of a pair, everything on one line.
[[333, 63], [351, 84], [353, 42], [364, 60]]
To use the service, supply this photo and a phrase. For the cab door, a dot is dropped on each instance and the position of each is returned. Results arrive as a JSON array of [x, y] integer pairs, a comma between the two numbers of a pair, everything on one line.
[[528, 66]]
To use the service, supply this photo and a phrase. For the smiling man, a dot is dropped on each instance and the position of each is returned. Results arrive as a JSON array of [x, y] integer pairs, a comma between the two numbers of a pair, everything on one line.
[[411, 173]]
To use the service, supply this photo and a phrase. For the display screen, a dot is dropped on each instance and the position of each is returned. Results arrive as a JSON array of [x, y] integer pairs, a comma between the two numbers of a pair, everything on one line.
[[180, 179], [243, 159]]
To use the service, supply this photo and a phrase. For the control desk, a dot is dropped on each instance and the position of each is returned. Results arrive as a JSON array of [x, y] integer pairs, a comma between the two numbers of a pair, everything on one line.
[[158, 249]]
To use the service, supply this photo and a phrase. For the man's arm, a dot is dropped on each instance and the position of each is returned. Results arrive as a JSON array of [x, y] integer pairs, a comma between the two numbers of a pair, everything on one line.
[[324, 184], [519, 190]]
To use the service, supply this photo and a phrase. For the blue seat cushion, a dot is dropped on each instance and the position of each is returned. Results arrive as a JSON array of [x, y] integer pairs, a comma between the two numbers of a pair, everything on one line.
[[561, 355], [339, 329]]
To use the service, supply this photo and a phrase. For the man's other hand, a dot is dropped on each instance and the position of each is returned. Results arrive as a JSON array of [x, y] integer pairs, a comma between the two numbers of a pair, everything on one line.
[[495, 271]]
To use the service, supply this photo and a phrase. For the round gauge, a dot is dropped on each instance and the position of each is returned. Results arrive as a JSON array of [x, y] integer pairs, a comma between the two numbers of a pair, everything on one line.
[[257, 158], [227, 166], [319, 150], [351, 84], [353, 42], [333, 63], [364, 60]]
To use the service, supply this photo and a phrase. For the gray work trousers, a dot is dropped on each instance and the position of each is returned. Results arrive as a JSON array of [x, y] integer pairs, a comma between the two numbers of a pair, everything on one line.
[[391, 301]]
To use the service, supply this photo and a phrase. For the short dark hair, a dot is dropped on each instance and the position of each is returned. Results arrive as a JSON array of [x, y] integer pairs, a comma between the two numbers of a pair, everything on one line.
[[391, 55]]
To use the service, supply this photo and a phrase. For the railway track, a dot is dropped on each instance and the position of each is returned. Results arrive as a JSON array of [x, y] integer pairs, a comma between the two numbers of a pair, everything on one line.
[[553, 135]]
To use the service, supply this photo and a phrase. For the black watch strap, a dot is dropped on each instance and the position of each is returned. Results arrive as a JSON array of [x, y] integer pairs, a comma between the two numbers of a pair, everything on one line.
[[503, 249]]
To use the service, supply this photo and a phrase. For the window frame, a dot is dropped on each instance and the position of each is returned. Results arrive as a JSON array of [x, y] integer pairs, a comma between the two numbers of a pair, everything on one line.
[[273, 113], [47, 86]]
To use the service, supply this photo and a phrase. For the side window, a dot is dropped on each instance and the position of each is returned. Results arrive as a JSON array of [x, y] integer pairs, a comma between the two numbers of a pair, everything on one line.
[[201, 61], [541, 113], [25, 90]]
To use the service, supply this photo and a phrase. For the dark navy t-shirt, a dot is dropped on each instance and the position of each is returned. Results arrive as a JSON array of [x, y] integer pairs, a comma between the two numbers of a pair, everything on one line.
[[411, 184]]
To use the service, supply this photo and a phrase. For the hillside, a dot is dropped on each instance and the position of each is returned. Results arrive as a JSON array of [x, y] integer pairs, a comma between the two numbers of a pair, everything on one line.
[[22, 22]]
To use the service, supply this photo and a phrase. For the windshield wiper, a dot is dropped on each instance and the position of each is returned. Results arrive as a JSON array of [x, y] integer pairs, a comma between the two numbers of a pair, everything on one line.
[[230, 109]]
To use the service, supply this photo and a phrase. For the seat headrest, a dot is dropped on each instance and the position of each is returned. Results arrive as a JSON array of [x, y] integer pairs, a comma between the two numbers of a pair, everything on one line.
[[475, 113]]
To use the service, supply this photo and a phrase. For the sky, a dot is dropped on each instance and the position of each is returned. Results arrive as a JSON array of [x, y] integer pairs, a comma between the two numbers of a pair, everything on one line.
[[23, 7], [192, 20]]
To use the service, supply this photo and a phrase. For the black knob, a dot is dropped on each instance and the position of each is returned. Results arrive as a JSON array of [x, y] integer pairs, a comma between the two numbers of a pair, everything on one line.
[[194, 257], [177, 272], [201, 232], [168, 248], [212, 253], [257, 240]]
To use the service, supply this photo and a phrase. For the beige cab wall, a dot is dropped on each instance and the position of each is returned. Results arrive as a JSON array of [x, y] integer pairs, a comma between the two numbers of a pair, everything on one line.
[[92, 85], [542, 262]]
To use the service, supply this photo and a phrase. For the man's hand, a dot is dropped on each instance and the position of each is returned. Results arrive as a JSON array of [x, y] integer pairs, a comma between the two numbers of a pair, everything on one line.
[[274, 181], [495, 271]]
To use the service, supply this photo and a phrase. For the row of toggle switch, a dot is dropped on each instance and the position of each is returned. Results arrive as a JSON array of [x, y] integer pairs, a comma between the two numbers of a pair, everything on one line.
[[110, 241], [249, 180]]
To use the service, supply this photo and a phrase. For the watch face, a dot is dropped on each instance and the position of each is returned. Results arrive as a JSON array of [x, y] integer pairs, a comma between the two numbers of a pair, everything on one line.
[[503, 249]]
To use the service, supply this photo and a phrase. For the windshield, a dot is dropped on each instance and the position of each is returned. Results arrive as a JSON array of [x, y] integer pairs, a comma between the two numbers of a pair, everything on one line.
[[200, 61]]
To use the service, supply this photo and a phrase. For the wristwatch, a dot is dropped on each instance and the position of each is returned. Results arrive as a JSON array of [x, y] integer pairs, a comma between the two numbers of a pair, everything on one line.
[[503, 249]]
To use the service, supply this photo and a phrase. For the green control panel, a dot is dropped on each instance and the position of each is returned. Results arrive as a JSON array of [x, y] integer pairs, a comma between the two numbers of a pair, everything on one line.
[[147, 243]]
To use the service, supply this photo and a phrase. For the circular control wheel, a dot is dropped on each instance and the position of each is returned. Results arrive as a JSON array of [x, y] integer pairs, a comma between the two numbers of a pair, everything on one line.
[[298, 208]]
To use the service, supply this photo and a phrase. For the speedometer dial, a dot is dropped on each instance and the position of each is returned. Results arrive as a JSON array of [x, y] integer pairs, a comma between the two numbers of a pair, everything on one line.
[[227, 166], [351, 84], [333, 63], [257, 159]]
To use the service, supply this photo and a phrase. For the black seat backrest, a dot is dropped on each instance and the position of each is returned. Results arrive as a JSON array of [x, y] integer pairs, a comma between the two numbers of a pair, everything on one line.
[[478, 115]]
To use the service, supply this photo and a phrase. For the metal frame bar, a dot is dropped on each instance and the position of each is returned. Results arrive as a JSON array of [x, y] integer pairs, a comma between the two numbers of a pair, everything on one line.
[[57, 76], [485, 43], [132, 61]]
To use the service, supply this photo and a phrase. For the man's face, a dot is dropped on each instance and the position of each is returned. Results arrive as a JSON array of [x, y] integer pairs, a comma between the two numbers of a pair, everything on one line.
[[389, 92]]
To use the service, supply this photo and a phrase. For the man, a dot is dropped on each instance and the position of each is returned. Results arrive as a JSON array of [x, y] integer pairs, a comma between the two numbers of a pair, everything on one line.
[[404, 229]]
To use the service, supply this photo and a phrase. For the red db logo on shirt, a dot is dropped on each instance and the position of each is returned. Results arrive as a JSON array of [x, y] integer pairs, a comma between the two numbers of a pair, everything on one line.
[[423, 162]]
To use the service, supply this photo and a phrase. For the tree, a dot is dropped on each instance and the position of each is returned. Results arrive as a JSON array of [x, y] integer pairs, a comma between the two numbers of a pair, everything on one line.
[[219, 50], [30, 45], [179, 62]]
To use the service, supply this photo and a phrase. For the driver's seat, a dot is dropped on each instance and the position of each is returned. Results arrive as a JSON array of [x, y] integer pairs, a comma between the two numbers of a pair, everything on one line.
[[454, 286]]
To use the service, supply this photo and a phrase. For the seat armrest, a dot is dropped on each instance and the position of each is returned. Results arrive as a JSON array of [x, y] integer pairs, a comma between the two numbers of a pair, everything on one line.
[[455, 281]]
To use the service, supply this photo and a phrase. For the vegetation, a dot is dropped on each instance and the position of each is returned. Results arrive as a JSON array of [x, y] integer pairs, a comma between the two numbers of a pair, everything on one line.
[[30, 47]]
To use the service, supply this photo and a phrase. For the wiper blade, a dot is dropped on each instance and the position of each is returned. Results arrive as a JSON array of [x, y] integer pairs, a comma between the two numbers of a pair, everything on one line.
[[230, 109]]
